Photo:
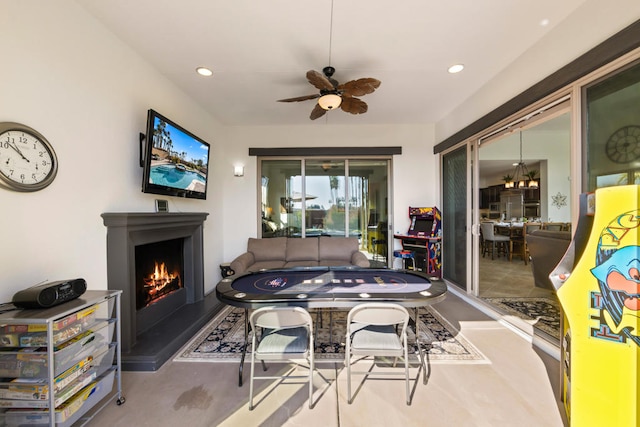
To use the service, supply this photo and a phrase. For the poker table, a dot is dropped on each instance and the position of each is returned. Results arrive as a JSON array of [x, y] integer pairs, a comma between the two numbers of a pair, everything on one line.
[[328, 287], [335, 287]]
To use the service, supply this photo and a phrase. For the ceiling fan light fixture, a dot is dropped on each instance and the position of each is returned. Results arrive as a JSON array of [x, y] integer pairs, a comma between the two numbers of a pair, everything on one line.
[[329, 101]]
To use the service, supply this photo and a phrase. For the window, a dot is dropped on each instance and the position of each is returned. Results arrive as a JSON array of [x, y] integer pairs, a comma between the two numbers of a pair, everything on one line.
[[327, 196], [613, 129]]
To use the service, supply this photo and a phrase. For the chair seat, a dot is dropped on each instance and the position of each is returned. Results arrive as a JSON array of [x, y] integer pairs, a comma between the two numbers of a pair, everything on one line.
[[375, 337], [500, 238], [283, 341]]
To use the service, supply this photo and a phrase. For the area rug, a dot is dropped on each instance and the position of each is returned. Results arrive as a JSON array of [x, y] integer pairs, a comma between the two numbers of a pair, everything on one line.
[[542, 312], [221, 340]]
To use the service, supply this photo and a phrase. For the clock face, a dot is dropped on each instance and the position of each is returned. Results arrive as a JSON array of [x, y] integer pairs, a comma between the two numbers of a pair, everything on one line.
[[623, 145], [27, 160]]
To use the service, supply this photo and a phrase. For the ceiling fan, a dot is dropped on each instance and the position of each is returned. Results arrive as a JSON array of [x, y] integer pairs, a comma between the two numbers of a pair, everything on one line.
[[333, 95]]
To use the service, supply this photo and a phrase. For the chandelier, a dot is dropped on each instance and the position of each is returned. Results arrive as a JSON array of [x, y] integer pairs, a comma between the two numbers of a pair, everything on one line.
[[521, 175]]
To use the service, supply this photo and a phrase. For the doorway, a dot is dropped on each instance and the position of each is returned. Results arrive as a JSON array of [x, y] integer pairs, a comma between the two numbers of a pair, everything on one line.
[[523, 185]]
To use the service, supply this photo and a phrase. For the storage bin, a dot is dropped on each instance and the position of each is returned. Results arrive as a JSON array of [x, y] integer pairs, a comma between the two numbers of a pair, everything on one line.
[[70, 411], [31, 362]]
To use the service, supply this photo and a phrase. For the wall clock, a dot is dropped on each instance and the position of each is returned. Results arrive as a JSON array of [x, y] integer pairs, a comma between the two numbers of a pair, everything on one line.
[[623, 145], [27, 160]]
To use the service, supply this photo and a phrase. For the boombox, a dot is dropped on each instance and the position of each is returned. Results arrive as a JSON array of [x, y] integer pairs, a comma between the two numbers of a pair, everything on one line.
[[49, 294]]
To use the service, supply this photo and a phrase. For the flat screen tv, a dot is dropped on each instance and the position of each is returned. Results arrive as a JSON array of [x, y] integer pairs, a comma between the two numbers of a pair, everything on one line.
[[175, 161]]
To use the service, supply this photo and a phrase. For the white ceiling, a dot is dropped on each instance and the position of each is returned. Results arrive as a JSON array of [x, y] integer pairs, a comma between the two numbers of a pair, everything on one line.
[[260, 51]]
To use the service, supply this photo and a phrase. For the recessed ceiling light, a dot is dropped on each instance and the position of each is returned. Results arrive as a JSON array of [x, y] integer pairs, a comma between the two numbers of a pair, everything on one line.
[[203, 71], [456, 68], [544, 22]]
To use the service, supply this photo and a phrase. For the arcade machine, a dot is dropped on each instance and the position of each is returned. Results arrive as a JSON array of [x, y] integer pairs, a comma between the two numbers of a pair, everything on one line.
[[424, 240], [598, 285]]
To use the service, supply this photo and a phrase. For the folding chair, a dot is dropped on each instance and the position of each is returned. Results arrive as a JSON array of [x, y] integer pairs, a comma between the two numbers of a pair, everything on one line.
[[371, 331], [286, 334]]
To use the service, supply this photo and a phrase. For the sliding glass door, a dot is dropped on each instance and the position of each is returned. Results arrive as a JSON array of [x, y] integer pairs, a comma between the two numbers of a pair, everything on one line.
[[454, 212], [310, 197]]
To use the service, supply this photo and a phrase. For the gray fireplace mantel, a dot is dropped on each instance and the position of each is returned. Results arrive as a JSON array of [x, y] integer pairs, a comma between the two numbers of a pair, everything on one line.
[[126, 230]]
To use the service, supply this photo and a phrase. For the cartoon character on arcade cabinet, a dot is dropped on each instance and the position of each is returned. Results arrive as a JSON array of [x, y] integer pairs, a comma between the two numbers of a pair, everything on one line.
[[618, 273]]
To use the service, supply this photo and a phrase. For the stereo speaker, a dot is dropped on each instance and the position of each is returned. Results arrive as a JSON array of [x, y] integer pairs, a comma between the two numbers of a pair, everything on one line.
[[49, 294]]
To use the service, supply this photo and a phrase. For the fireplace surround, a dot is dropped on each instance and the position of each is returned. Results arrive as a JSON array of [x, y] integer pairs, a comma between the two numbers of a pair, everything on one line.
[[146, 347]]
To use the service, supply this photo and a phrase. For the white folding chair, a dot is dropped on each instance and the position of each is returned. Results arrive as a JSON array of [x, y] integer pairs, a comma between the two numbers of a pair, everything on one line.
[[372, 331], [286, 333]]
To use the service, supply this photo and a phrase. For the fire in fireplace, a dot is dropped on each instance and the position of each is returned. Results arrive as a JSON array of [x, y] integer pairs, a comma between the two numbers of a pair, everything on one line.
[[159, 271], [158, 284]]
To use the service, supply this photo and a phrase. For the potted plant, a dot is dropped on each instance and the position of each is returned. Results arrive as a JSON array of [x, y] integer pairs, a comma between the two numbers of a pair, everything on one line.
[[508, 181]]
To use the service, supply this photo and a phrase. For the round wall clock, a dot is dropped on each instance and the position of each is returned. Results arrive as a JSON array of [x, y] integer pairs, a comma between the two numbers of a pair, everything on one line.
[[623, 145], [27, 160]]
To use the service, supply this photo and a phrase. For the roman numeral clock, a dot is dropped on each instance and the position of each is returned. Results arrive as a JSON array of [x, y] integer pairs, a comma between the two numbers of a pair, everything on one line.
[[623, 145], [27, 160]]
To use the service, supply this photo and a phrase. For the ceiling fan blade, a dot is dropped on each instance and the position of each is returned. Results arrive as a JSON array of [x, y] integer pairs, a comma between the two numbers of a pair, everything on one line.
[[317, 112], [319, 80], [353, 105], [359, 87], [300, 98]]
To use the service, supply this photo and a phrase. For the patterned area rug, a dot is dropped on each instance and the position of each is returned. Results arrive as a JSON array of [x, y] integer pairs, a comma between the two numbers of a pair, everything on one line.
[[221, 340], [543, 312]]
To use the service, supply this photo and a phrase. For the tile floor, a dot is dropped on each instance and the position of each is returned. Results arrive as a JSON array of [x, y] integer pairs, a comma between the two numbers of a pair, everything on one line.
[[519, 387]]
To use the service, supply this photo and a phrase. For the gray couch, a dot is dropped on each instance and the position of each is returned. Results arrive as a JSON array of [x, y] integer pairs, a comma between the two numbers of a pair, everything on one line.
[[290, 252], [546, 247]]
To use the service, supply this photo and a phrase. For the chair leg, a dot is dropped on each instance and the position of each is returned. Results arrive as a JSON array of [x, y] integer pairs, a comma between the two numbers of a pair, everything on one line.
[[253, 365], [406, 378], [348, 362], [311, 369]]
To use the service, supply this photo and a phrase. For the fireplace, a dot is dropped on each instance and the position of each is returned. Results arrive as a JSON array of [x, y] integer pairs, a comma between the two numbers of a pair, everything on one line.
[[159, 288], [156, 260]]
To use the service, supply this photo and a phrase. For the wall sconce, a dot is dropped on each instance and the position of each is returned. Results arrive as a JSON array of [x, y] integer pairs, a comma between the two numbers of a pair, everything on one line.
[[238, 171]]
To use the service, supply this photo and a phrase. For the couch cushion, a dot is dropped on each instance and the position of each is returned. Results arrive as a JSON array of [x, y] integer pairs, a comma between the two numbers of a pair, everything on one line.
[[294, 264], [271, 249], [266, 265], [337, 248], [302, 249]]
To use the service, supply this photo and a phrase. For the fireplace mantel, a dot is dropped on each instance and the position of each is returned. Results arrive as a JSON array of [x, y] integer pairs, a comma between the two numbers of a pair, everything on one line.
[[126, 230]]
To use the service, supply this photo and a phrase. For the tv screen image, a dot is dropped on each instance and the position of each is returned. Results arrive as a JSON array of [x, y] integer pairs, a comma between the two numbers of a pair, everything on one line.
[[176, 162]]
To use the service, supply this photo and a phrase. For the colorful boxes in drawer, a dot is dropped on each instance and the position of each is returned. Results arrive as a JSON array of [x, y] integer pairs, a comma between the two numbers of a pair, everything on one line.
[[35, 335], [31, 362]]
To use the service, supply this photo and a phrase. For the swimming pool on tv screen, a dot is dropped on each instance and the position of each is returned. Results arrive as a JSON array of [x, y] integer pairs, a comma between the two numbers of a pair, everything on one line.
[[170, 176]]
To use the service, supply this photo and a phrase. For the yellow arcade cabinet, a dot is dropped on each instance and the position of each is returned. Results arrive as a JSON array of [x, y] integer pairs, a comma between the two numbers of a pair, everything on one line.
[[598, 286]]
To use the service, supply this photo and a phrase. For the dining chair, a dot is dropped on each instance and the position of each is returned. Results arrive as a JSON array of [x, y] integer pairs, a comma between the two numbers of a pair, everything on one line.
[[520, 241], [281, 334], [493, 241], [372, 332]]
